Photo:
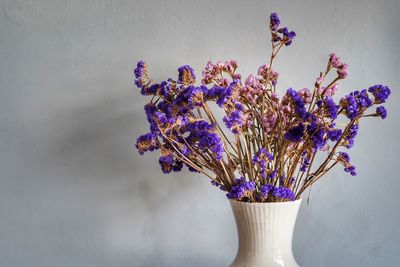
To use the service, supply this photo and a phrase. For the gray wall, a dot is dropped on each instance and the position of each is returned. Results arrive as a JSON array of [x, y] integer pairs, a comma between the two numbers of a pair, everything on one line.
[[74, 192]]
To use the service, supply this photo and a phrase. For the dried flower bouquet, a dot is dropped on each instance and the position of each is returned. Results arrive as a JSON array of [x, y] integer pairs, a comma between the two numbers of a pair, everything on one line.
[[273, 142]]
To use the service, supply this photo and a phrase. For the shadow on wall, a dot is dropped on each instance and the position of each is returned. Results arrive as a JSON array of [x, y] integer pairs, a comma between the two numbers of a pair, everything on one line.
[[97, 141]]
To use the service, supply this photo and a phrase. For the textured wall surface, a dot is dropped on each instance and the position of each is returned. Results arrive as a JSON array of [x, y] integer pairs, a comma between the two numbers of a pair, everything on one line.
[[74, 192]]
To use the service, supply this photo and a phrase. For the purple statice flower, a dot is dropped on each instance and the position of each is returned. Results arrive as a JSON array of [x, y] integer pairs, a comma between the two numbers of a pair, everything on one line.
[[272, 175], [140, 70], [150, 90], [190, 98], [220, 94], [261, 158], [295, 134], [334, 134], [241, 188], [351, 134], [351, 170], [146, 142], [331, 107], [343, 156], [195, 128], [212, 142], [236, 192], [177, 167], [344, 159], [149, 109], [186, 75], [274, 22], [284, 193], [169, 163], [166, 90], [381, 111], [140, 73], [380, 92], [288, 36], [317, 139], [298, 103], [355, 103], [350, 106], [262, 154], [200, 134], [363, 99], [266, 190], [234, 121]]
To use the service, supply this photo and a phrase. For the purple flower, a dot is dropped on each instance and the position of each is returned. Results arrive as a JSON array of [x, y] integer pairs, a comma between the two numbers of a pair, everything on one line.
[[334, 134], [219, 94], [261, 158], [190, 97], [140, 70], [381, 111], [284, 193], [212, 142], [140, 75], [150, 90], [274, 22], [343, 156], [295, 134], [351, 170], [267, 189], [288, 36], [234, 121], [318, 140], [272, 175], [380, 92], [350, 106], [186, 75], [351, 134], [241, 188], [166, 163], [363, 99], [146, 142], [332, 107], [297, 102]]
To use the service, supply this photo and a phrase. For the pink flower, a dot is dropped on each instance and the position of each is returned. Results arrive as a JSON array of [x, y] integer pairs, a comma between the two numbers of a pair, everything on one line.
[[342, 70], [331, 91], [306, 95], [334, 60], [273, 75], [252, 89], [230, 66], [269, 120]]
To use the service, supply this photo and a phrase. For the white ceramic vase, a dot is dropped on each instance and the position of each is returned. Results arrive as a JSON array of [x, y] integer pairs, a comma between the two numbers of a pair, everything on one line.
[[265, 232]]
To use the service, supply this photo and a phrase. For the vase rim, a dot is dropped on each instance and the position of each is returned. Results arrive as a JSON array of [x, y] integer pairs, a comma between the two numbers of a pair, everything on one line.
[[284, 203]]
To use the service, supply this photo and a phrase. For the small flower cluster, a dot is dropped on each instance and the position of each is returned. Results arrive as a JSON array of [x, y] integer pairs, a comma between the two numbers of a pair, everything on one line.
[[280, 35], [273, 141]]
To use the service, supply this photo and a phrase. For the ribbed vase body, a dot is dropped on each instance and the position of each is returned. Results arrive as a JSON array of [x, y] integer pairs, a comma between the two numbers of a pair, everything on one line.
[[265, 232]]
